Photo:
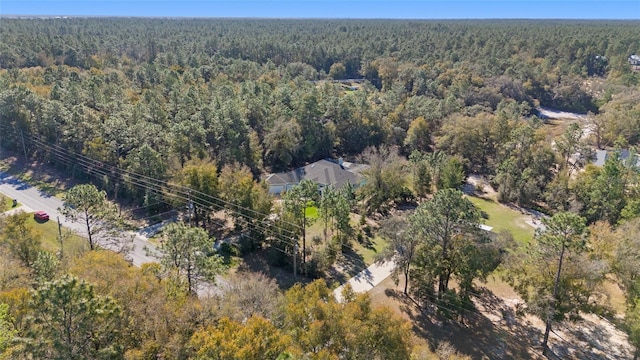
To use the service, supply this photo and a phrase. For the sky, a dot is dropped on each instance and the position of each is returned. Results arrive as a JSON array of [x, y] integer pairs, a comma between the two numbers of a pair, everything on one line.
[[388, 9]]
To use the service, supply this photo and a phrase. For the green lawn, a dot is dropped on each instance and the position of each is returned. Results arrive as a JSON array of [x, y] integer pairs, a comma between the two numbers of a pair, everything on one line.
[[53, 186], [369, 249], [504, 218], [50, 241], [311, 212], [7, 202]]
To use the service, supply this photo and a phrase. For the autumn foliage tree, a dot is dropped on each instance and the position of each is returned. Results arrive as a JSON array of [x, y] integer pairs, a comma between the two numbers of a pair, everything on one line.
[[323, 328], [312, 324], [385, 179], [255, 339]]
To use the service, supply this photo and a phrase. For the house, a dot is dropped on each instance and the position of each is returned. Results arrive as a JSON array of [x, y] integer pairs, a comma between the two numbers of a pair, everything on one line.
[[603, 155], [634, 61], [324, 172]]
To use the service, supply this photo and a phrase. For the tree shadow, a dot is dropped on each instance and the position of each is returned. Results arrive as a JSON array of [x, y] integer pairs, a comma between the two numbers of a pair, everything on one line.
[[366, 242], [47, 178], [496, 331], [284, 278], [351, 263], [589, 340], [347, 265], [477, 336]]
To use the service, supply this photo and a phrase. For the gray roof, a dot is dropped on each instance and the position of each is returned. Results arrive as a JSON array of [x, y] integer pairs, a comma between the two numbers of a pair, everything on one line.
[[324, 172], [602, 155]]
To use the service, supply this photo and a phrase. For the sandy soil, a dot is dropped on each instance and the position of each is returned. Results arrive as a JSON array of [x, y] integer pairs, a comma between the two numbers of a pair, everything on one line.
[[498, 330], [479, 186], [558, 114]]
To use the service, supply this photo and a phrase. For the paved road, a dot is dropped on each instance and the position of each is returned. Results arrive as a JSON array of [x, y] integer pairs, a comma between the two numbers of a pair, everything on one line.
[[34, 199], [367, 279]]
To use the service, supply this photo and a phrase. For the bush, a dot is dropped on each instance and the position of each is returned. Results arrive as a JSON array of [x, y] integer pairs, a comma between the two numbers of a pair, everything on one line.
[[367, 230], [227, 250], [276, 257], [246, 245], [321, 261]]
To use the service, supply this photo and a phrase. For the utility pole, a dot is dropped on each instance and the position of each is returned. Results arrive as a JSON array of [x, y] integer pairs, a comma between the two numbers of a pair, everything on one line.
[[295, 255], [60, 237], [24, 148], [304, 237], [190, 209]]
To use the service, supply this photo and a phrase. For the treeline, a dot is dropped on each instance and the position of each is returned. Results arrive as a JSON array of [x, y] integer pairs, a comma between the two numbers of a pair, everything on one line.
[[240, 91], [320, 43]]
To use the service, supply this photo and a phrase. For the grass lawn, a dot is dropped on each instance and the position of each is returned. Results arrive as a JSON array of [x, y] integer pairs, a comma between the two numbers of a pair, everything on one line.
[[615, 294], [7, 202], [48, 184], [155, 239], [369, 249], [53, 188], [311, 212], [504, 218], [50, 242]]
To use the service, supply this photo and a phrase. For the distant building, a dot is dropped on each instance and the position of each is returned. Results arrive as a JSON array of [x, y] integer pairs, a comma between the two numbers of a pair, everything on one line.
[[603, 155], [486, 227], [634, 61], [323, 172]]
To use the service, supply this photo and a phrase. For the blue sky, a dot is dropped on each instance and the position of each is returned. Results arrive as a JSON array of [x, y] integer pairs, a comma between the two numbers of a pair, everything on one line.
[[397, 9]]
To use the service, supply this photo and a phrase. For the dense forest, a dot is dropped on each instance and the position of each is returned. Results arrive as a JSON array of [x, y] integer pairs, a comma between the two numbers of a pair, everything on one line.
[[168, 113]]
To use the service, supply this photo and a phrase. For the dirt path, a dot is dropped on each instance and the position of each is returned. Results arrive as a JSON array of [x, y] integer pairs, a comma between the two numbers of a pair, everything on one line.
[[551, 113], [367, 279]]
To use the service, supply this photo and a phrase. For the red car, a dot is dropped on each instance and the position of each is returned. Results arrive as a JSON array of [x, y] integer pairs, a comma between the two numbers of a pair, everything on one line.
[[41, 216]]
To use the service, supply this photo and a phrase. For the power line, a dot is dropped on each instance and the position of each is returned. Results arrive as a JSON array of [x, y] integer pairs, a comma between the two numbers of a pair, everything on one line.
[[145, 182], [90, 167], [103, 172], [157, 182]]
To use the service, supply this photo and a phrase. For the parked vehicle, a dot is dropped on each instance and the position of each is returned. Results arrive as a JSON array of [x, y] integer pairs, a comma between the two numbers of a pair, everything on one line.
[[41, 216]]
